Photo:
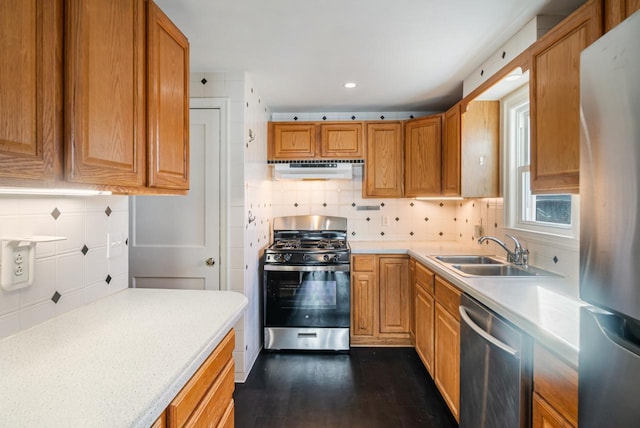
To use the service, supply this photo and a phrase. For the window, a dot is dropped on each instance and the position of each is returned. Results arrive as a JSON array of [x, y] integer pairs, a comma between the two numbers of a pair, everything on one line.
[[550, 214]]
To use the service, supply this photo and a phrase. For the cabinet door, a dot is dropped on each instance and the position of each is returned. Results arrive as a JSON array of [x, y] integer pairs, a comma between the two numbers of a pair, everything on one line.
[[292, 141], [616, 11], [425, 315], [383, 166], [451, 144], [341, 141], [394, 294], [447, 357], [545, 416], [30, 87], [362, 303], [480, 162], [422, 156], [412, 300], [105, 126], [168, 102], [555, 100]]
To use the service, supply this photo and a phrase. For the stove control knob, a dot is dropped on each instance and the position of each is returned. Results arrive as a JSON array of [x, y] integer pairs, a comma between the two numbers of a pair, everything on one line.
[[277, 257], [287, 257], [326, 257], [336, 258], [306, 257]]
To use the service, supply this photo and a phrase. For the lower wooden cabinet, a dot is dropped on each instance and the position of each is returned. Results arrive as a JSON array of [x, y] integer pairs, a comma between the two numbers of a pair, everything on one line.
[[555, 386], [425, 318], [207, 399], [380, 300], [447, 357]]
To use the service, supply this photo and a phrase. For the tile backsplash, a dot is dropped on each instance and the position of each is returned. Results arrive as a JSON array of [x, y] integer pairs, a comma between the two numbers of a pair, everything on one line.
[[76, 269]]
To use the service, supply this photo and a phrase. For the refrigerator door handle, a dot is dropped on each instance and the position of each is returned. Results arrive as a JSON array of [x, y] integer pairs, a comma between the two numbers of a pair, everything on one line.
[[614, 329], [486, 336]]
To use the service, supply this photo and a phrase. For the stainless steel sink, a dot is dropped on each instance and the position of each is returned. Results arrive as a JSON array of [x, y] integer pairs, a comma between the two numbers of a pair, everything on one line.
[[500, 270], [469, 260]]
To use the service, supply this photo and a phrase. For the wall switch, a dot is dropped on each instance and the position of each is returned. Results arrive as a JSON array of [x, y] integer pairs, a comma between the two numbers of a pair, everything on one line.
[[385, 220], [115, 242]]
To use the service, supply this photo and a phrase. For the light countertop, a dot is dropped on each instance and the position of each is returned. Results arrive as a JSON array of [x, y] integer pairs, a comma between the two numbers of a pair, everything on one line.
[[117, 362], [537, 305]]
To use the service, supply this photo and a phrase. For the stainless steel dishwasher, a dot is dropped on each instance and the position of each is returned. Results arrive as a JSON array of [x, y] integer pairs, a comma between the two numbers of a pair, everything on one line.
[[495, 369]]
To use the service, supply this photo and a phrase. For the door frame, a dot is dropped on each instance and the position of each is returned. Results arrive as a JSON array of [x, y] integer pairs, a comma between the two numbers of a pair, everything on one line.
[[223, 203]]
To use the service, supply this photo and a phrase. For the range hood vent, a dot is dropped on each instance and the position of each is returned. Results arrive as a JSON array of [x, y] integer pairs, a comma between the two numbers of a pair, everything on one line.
[[313, 171]]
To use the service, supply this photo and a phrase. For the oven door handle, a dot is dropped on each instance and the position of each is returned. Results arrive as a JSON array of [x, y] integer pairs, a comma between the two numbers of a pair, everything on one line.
[[297, 268]]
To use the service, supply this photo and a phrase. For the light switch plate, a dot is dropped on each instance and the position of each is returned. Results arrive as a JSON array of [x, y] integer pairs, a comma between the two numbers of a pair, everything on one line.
[[115, 244]]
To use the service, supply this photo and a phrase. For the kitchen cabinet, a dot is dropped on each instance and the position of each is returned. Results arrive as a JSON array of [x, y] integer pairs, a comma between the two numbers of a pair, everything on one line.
[[423, 156], [380, 300], [207, 399], [451, 147], [315, 140], [94, 132], [167, 102], [383, 169], [447, 344], [480, 158], [412, 300], [555, 100], [425, 317], [555, 386], [105, 94], [31, 88], [616, 11], [394, 294], [363, 283]]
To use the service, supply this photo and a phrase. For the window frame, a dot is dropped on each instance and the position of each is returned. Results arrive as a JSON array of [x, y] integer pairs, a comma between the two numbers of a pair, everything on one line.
[[565, 236]]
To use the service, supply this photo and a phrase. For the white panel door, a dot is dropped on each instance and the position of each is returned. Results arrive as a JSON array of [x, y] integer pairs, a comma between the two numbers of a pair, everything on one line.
[[176, 239]]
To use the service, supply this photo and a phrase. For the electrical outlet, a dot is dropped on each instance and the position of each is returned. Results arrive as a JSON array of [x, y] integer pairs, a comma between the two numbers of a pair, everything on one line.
[[20, 265], [385, 220]]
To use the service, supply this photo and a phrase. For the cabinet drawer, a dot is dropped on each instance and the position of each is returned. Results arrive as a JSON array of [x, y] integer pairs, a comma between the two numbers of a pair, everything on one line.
[[425, 278], [556, 382], [448, 296], [216, 402], [199, 386], [228, 419], [363, 263]]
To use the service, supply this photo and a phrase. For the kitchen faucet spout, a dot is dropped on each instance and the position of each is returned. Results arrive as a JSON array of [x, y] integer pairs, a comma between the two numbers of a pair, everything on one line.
[[518, 256]]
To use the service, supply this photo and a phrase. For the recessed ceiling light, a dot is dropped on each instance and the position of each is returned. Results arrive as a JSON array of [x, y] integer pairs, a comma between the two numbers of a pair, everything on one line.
[[350, 85]]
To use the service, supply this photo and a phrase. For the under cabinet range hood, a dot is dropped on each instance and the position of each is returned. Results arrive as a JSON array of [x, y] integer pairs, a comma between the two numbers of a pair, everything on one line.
[[313, 171]]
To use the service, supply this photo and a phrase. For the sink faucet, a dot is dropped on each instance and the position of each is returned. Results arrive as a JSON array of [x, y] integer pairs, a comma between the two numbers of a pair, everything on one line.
[[519, 256]]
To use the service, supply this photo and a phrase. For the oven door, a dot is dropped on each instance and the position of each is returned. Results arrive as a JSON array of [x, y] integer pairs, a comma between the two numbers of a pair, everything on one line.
[[307, 296]]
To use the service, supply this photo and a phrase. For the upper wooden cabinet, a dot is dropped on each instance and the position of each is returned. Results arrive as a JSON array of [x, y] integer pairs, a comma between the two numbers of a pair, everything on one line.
[[451, 143], [555, 100], [384, 164], [292, 141], [341, 141], [168, 102], [423, 156], [30, 88], [616, 11], [315, 140], [105, 95], [480, 163], [110, 85]]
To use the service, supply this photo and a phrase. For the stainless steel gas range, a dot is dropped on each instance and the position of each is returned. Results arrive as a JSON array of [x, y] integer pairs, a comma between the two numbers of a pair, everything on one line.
[[307, 294]]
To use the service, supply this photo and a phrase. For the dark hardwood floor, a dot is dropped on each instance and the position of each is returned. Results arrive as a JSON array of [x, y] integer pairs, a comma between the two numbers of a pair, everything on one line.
[[367, 387]]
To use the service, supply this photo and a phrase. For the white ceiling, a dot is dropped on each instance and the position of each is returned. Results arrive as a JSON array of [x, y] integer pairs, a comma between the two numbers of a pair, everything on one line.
[[405, 55]]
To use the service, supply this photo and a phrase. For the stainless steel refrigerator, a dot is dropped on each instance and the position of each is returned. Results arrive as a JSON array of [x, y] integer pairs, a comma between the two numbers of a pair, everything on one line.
[[609, 362]]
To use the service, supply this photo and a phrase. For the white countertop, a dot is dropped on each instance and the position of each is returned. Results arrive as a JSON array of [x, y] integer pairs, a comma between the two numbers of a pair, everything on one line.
[[536, 304], [116, 362]]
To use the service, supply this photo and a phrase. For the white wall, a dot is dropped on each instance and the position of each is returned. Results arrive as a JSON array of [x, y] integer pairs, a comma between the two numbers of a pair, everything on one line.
[[62, 266], [248, 195]]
